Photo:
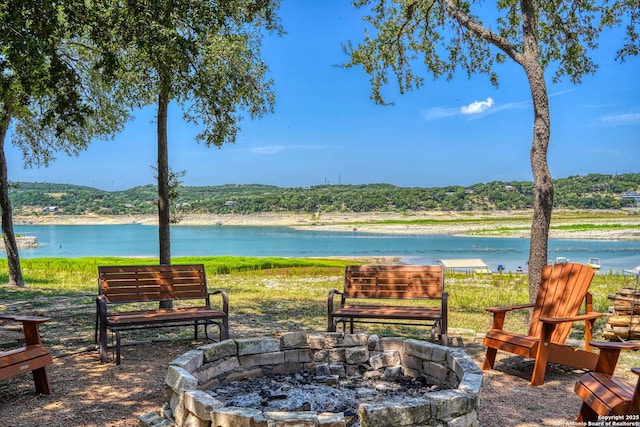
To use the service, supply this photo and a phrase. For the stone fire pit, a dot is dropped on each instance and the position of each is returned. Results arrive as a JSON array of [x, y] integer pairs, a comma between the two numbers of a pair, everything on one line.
[[192, 378]]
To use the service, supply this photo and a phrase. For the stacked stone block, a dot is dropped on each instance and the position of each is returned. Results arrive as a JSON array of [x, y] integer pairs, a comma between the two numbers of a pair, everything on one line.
[[330, 355]]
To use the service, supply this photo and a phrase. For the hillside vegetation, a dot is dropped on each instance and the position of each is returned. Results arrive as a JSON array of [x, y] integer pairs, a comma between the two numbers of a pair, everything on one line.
[[593, 191]]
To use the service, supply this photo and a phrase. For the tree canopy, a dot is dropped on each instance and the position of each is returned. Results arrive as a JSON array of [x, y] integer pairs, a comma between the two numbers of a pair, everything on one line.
[[51, 99]]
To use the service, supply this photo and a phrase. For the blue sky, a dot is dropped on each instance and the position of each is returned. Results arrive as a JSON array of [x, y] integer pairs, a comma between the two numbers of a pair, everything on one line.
[[325, 128]]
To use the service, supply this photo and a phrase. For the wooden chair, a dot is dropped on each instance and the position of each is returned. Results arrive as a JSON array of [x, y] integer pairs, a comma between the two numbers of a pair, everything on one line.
[[604, 394], [33, 356], [562, 289]]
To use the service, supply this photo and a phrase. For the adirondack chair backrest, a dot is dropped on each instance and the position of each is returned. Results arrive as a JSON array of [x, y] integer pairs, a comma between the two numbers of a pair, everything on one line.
[[562, 290]]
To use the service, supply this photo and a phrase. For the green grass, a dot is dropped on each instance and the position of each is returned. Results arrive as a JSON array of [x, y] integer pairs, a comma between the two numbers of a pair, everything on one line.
[[292, 292]]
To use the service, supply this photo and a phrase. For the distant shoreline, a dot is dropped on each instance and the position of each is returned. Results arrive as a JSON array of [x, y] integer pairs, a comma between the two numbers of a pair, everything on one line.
[[593, 225]]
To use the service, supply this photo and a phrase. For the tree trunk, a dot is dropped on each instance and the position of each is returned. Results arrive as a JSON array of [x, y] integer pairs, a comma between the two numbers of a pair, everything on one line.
[[164, 232], [10, 244], [543, 183]]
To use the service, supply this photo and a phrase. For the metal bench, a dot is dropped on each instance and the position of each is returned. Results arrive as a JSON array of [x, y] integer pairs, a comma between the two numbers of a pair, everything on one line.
[[375, 287], [121, 287]]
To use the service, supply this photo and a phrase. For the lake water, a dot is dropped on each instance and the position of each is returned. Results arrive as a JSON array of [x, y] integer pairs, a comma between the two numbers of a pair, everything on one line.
[[134, 240]]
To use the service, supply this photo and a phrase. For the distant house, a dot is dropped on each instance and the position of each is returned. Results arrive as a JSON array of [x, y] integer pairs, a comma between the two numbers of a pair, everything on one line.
[[128, 205], [230, 203], [50, 209], [633, 196], [510, 188]]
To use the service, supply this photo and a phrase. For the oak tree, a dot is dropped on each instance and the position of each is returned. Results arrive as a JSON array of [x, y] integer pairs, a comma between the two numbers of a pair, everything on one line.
[[474, 36]]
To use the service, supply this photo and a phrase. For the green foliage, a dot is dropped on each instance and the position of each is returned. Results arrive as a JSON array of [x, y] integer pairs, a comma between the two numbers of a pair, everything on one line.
[[203, 55], [593, 191], [49, 88]]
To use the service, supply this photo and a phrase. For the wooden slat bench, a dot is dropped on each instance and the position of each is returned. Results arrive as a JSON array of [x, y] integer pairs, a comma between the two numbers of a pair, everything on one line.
[[375, 287], [32, 357], [121, 287], [602, 393]]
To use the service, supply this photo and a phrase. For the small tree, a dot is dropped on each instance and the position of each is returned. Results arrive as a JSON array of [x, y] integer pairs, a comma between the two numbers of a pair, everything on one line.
[[204, 56], [447, 35], [50, 94]]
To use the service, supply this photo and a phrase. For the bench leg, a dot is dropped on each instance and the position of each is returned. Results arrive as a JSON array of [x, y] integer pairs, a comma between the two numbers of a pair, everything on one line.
[[224, 329], [331, 324], [102, 344], [118, 344], [444, 340], [41, 380]]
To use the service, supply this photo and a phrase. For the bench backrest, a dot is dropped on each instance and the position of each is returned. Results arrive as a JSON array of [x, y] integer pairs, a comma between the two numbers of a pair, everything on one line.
[[394, 281], [139, 283]]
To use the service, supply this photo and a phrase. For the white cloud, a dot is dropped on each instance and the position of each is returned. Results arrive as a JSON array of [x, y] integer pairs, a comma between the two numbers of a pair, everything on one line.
[[477, 107], [267, 149], [439, 113], [621, 119]]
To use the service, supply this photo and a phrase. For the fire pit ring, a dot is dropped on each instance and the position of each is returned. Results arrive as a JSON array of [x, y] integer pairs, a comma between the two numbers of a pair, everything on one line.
[[188, 376]]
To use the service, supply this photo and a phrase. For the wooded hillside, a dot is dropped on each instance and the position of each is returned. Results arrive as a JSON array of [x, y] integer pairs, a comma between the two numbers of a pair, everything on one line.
[[593, 191]]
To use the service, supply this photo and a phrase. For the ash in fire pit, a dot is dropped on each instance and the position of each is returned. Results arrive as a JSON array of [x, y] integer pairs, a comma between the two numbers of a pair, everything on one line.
[[320, 392], [324, 379]]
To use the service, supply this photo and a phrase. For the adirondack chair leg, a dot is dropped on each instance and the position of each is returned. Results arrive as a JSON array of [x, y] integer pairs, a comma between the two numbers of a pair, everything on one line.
[[586, 413], [489, 358], [542, 355], [41, 380]]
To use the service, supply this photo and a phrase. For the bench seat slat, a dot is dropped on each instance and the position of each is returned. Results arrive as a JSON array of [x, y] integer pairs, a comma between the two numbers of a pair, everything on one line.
[[389, 312], [163, 316]]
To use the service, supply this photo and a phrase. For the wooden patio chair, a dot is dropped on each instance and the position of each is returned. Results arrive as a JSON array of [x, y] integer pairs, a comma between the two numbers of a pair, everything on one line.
[[32, 356], [604, 394], [563, 288]]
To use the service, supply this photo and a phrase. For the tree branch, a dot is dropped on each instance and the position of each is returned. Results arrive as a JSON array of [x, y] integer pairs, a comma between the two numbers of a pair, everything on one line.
[[482, 32]]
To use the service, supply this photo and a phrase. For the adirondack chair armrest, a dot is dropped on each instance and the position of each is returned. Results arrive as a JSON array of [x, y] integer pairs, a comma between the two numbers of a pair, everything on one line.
[[499, 314], [606, 345], [609, 354], [558, 320], [504, 309], [19, 318], [636, 371], [30, 326]]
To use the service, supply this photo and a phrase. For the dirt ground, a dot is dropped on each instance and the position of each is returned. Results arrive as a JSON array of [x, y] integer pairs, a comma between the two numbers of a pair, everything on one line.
[[86, 392]]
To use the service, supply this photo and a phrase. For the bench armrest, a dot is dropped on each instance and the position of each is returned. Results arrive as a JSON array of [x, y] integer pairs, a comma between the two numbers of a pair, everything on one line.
[[332, 294], [225, 299]]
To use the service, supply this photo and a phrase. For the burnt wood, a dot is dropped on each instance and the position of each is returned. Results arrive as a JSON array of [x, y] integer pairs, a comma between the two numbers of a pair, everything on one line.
[[32, 357], [604, 394], [123, 289], [562, 291], [373, 294]]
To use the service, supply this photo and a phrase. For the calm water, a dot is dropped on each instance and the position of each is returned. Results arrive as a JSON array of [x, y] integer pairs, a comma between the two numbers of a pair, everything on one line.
[[139, 240]]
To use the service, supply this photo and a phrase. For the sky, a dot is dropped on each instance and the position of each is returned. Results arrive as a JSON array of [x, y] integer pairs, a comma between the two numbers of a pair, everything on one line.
[[326, 130]]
